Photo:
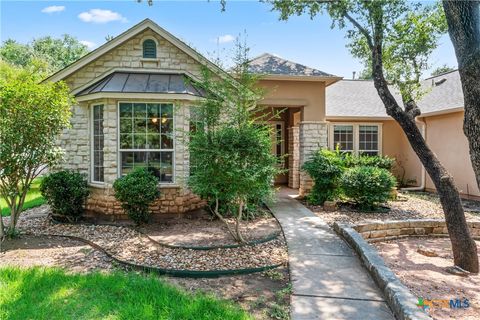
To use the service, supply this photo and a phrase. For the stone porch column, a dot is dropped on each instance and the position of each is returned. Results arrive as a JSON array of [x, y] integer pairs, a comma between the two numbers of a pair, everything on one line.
[[293, 158], [312, 135]]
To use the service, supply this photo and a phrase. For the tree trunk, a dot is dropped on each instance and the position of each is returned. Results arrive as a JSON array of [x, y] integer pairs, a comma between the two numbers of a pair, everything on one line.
[[463, 18], [239, 219], [463, 246]]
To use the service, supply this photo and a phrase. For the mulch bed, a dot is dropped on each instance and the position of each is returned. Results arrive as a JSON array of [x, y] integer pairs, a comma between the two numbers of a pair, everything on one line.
[[128, 244], [412, 206]]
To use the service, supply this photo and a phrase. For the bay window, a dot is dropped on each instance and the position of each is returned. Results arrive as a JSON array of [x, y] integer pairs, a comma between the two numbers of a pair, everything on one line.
[[146, 138], [98, 144]]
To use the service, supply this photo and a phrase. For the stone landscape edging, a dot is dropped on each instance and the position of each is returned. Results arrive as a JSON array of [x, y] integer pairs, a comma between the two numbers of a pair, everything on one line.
[[398, 296], [376, 231], [181, 273]]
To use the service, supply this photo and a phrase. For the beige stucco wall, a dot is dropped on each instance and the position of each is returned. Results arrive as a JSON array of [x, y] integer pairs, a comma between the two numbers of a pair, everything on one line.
[[446, 138], [309, 95], [396, 145]]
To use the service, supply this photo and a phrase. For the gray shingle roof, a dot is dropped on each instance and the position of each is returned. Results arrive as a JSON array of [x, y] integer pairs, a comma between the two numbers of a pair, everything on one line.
[[359, 98], [273, 65], [134, 82]]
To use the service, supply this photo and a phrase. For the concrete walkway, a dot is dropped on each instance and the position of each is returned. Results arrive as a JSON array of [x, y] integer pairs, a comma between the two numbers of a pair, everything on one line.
[[328, 279]]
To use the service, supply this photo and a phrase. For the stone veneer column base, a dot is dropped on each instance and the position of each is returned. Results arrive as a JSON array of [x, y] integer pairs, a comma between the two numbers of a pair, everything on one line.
[[172, 200], [293, 158], [313, 136]]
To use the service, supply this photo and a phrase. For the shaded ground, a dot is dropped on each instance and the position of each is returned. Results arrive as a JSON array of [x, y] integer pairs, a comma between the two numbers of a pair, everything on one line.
[[201, 230], [413, 206], [426, 276]]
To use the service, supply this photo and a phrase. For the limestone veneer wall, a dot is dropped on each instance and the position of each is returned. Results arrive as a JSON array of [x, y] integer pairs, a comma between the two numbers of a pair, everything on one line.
[[389, 230]]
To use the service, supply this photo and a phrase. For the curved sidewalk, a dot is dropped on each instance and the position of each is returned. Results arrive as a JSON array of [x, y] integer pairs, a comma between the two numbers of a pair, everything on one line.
[[328, 280]]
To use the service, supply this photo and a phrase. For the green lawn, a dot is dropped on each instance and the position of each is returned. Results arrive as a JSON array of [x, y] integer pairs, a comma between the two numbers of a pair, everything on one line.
[[48, 293], [33, 199]]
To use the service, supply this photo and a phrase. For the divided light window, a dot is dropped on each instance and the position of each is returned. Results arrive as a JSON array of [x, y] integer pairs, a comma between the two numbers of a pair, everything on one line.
[[343, 137], [149, 49], [368, 140], [98, 140], [146, 138]]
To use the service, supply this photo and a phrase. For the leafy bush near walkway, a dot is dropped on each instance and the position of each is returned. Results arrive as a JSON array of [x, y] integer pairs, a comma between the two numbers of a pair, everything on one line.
[[367, 180], [367, 186], [48, 293], [66, 192]]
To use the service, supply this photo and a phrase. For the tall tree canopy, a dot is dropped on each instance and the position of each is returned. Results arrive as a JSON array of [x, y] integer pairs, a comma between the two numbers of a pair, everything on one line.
[[397, 37], [57, 53], [442, 69]]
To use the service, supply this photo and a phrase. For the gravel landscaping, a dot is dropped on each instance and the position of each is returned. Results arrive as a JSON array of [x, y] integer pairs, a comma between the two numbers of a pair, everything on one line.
[[409, 206], [129, 245], [426, 277]]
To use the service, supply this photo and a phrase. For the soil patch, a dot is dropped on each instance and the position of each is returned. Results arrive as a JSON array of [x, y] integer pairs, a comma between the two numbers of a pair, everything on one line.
[[426, 276]]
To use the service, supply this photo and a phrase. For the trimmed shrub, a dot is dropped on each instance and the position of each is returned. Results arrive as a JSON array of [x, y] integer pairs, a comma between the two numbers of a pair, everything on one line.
[[325, 167], [136, 191], [367, 186], [66, 192], [383, 162]]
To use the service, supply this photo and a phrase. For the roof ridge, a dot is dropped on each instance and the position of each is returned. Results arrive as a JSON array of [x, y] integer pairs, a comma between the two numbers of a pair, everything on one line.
[[441, 74]]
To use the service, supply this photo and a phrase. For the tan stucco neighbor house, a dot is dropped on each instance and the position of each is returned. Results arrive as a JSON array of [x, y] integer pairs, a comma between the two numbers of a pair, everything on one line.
[[133, 103]]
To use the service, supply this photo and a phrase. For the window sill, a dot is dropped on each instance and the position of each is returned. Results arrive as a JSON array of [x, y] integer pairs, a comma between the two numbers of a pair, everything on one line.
[[149, 59], [98, 185], [169, 186]]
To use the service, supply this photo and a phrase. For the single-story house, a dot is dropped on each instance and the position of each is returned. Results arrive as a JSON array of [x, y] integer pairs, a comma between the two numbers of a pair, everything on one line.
[[133, 102]]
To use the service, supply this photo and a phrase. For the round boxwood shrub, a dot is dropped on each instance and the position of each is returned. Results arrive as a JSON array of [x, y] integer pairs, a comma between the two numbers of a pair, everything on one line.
[[66, 192], [136, 191], [367, 186], [325, 167]]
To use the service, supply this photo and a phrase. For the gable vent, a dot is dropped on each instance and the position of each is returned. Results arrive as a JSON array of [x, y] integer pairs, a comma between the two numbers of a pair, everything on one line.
[[149, 49]]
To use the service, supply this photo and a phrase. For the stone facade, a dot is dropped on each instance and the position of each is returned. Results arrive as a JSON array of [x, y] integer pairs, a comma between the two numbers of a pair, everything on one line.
[[76, 141], [293, 158], [130, 55], [312, 136]]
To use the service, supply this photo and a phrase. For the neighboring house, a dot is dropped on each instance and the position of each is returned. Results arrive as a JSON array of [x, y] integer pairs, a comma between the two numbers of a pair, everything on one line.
[[134, 104]]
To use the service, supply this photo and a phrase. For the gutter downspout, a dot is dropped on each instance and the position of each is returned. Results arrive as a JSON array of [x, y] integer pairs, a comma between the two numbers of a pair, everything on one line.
[[424, 173]]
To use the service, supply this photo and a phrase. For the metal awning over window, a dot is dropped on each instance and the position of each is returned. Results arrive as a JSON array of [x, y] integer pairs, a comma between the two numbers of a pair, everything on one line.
[[131, 82]]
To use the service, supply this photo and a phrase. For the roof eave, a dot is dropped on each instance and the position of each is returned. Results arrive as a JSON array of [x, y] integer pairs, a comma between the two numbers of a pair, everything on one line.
[[286, 77]]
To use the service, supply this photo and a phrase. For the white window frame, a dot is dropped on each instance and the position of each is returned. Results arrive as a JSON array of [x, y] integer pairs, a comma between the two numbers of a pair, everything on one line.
[[92, 144], [356, 135], [119, 151]]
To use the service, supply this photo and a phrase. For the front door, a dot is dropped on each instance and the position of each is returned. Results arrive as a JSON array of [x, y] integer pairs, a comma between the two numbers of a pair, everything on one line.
[[278, 148]]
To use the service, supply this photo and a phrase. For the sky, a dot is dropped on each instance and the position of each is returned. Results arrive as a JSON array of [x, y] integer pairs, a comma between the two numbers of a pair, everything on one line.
[[201, 24]]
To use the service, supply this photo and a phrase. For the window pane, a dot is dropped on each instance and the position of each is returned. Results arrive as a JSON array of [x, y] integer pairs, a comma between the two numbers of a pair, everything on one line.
[[125, 125], [167, 110], [167, 125], [140, 125], [166, 166], [126, 110], [153, 125], [98, 141], [153, 110], [140, 110], [167, 141], [126, 141], [368, 140], [343, 137], [153, 141], [139, 141]]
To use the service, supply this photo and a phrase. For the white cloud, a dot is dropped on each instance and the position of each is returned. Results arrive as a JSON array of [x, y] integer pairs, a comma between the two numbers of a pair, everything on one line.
[[226, 38], [53, 9], [89, 44], [101, 16]]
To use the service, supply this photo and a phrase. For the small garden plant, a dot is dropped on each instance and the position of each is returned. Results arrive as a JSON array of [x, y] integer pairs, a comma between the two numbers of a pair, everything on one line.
[[66, 192], [366, 180], [136, 191]]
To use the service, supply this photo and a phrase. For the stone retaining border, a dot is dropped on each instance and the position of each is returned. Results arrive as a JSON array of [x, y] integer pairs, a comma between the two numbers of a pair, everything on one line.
[[171, 272], [398, 296], [390, 230]]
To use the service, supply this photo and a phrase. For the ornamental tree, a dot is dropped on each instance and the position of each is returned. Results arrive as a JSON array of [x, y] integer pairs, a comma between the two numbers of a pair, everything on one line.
[[396, 38], [231, 161], [32, 115]]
